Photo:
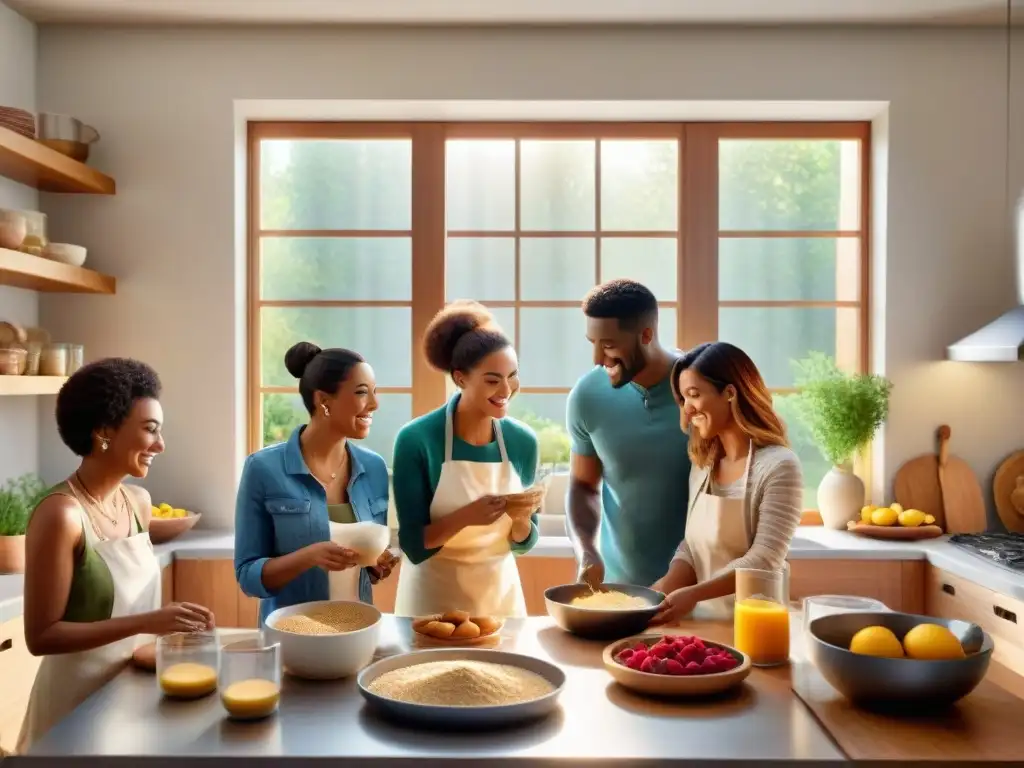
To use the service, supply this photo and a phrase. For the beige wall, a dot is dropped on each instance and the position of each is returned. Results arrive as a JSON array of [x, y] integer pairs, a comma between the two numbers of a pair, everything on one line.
[[163, 100], [19, 434]]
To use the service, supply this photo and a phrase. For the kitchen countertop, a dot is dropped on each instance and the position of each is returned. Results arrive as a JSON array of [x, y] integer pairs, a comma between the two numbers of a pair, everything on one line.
[[810, 542], [597, 721]]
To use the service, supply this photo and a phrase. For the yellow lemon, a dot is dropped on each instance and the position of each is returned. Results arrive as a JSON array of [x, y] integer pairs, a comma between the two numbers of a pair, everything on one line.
[[911, 518], [884, 516], [876, 641], [865, 513], [929, 519], [165, 506], [930, 641], [180, 513], [897, 508]]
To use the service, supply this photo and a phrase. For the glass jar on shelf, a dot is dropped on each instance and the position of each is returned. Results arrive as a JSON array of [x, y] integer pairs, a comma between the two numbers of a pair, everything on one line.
[[187, 664], [13, 361], [76, 357], [250, 678], [36, 238], [33, 351], [53, 360]]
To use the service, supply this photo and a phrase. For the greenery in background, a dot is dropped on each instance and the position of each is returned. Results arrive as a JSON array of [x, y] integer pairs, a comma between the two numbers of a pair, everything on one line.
[[842, 410], [764, 184], [553, 439], [18, 497]]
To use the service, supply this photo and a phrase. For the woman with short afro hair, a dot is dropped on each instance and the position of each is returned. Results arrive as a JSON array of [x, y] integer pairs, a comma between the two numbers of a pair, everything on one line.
[[452, 468], [92, 580]]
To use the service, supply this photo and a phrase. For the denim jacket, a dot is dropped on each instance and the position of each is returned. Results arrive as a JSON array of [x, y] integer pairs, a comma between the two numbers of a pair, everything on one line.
[[282, 508]]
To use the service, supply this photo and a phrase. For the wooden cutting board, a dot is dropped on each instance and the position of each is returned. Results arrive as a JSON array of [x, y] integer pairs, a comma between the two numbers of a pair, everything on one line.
[[1008, 490], [916, 486], [982, 726], [963, 506]]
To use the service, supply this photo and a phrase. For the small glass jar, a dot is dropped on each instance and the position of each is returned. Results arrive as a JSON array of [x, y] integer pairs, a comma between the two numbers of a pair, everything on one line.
[[13, 361], [250, 678], [76, 357], [33, 351], [53, 361], [187, 664], [36, 238]]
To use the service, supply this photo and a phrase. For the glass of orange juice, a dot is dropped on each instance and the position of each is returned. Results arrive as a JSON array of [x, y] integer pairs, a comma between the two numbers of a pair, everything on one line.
[[761, 618], [250, 678]]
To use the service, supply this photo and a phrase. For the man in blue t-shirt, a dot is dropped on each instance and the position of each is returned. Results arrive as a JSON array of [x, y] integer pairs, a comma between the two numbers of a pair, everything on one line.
[[628, 490]]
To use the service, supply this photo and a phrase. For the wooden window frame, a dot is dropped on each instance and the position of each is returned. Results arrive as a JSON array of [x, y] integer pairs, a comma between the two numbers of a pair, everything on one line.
[[697, 230]]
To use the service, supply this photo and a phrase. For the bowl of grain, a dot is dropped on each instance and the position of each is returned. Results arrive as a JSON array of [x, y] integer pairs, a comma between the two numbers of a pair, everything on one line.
[[611, 612], [325, 639], [461, 688]]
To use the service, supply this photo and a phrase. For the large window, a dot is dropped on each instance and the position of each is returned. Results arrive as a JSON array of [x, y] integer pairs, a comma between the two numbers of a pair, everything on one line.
[[752, 233]]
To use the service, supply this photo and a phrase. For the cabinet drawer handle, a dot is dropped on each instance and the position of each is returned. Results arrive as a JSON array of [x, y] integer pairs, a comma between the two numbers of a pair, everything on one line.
[[6, 645], [949, 589], [1004, 614]]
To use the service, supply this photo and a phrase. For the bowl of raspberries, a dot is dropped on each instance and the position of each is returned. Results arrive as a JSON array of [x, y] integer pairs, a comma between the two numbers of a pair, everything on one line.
[[675, 665]]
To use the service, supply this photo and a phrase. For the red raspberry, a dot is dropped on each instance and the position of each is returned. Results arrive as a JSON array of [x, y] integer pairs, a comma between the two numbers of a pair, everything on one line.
[[640, 656], [648, 665], [673, 667]]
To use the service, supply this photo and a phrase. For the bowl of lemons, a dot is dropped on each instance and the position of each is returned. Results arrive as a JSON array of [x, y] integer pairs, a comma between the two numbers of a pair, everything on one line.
[[895, 522], [876, 658], [169, 522]]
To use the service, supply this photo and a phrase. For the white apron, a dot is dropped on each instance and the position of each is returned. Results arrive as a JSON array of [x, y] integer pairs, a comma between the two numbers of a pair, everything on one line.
[[65, 680], [717, 533], [475, 570]]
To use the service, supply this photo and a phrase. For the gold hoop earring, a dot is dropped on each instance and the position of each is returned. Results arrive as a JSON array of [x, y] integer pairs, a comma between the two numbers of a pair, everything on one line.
[[327, 411]]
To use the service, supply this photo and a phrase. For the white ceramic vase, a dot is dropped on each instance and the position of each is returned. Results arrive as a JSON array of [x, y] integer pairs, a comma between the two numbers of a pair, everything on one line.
[[840, 497]]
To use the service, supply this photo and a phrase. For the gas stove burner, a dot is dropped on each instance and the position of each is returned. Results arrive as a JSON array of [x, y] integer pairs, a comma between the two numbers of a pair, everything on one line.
[[1006, 549]]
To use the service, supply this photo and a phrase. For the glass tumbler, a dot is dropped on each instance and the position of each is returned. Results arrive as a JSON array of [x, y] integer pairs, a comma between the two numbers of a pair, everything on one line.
[[187, 664], [250, 678], [824, 605], [761, 619]]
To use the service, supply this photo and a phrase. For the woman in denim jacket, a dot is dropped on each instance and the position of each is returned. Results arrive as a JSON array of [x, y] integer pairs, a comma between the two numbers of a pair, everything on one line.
[[291, 492]]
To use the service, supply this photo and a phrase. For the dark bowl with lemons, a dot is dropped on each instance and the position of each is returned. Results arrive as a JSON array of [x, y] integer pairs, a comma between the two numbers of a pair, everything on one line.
[[928, 673]]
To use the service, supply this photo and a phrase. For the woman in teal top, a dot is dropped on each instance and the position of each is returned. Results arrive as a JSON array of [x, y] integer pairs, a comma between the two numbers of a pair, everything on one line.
[[290, 493], [451, 470]]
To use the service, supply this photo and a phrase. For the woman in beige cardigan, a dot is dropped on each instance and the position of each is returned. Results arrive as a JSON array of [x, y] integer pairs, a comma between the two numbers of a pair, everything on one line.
[[746, 485]]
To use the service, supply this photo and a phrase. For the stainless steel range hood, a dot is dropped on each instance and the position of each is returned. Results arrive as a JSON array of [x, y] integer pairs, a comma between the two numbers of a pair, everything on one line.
[[1002, 340]]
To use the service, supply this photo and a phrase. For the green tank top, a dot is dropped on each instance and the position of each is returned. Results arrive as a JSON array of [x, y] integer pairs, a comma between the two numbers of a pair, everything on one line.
[[91, 597], [341, 513]]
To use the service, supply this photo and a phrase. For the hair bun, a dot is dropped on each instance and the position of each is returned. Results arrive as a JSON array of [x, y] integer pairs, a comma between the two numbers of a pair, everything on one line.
[[299, 356], [449, 326]]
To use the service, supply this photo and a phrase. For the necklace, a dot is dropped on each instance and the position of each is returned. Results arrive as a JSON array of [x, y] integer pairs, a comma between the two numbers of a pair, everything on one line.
[[98, 505], [89, 506]]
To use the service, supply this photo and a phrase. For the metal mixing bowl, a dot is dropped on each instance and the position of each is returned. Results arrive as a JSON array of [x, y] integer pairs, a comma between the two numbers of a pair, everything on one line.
[[598, 624], [873, 680]]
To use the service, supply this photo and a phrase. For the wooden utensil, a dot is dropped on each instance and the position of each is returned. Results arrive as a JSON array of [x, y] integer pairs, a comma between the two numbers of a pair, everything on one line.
[[896, 532], [963, 505], [1008, 490], [916, 486]]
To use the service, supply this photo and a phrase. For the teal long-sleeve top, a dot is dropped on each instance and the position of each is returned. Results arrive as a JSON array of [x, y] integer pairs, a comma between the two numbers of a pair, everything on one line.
[[416, 469]]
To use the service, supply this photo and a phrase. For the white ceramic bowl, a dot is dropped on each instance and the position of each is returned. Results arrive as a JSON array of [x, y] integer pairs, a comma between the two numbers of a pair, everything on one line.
[[66, 253], [324, 657]]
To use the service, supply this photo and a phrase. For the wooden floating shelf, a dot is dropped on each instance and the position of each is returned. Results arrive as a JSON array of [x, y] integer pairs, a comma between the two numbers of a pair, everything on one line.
[[27, 161], [23, 270], [31, 385]]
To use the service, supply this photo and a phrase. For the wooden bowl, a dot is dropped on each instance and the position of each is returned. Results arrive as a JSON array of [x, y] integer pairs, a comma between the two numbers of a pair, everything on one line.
[[524, 504], [895, 532], [163, 529], [144, 657], [425, 639], [673, 685]]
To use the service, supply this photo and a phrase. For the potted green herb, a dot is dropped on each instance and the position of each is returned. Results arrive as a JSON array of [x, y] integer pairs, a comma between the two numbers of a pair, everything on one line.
[[842, 411], [18, 497]]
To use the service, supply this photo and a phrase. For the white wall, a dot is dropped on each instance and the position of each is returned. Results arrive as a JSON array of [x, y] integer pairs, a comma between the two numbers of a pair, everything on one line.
[[163, 100], [19, 434]]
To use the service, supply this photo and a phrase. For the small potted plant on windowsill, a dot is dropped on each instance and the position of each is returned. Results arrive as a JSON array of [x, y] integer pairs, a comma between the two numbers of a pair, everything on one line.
[[18, 497], [843, 412]]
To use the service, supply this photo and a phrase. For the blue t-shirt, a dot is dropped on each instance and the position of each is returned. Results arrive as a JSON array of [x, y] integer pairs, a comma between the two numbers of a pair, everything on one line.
[[635, 433]]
